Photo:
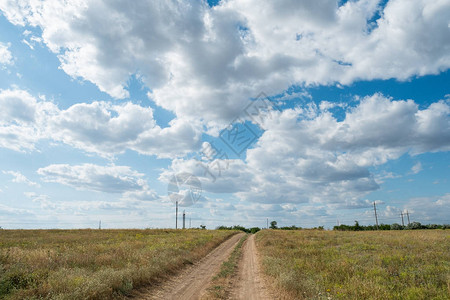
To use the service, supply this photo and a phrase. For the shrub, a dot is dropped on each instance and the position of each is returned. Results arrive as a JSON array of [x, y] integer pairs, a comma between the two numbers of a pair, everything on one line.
[[414, 225], [254, 230], [396, 226]]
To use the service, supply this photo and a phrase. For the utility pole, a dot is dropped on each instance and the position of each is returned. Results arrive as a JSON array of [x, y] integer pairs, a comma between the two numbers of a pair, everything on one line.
[[100, 224], [190, 222], [176, 215], [184, 218], [407, 214], [403, 223], [267, 223], [376, 217]]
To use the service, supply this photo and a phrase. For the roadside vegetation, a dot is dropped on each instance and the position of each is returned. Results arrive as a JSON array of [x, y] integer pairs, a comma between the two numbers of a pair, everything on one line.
[[241, 228], [317, 264], [220, 284], [395, 226], [273, 225], [95, 264]]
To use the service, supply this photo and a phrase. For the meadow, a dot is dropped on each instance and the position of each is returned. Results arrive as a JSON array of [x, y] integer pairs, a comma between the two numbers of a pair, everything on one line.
[[314, 264], [95, 264]]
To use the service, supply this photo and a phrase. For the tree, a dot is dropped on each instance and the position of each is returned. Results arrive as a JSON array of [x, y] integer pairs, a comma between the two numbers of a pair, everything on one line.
[[357, 227], [273, 225], [396, 226], [414, 225], [254, 230]]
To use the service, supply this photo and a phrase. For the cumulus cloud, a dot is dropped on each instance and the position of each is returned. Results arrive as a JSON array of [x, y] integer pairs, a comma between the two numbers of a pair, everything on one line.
[[307, 155], [217, 176], [22, 119], [108, 179], [204, 63], [421, 209], [6, 57], [330, 159], [97, 127], [20, 178], [104, 128]]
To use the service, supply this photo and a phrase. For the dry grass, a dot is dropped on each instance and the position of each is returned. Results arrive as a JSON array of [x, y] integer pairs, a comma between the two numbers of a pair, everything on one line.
[[95, 264], [358, 265]]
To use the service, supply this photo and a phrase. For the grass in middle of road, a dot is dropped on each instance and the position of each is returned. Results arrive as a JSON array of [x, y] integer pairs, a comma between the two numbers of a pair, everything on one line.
[[221, 282]]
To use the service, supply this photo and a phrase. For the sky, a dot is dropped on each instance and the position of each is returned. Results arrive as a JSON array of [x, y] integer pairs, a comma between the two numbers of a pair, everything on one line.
[[242, 111]]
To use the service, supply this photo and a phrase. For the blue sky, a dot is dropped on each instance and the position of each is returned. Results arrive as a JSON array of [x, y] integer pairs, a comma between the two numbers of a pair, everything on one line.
[[305, 112]]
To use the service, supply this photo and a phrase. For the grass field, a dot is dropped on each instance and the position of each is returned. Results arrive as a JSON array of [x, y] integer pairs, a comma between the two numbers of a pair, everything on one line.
[[310, 264], [94, 264]]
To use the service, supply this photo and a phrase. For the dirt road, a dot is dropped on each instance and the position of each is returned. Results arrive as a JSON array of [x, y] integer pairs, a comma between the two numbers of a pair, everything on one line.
[[249, 284], [193, 281]]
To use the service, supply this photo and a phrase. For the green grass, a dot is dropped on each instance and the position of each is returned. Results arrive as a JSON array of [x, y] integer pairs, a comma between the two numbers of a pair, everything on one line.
[[221, 282], [95, 264], [311, 264]]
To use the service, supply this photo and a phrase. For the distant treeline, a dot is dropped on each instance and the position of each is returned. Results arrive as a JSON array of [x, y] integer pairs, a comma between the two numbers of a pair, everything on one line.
[[273, 225], [356, 227], [395, 226], [238, 227]]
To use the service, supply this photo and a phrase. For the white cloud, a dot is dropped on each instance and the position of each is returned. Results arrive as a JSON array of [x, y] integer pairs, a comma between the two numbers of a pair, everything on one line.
[[327, 160], [108, 179], [217, 176], [22, 119], [421, 209], [416, 168], [17, 107], [204, 63], [8, 211], [307, 155], [380, 177], [37, 197], [81, 206], [6, 57], [98, 127], [20, 178], [145, 194]]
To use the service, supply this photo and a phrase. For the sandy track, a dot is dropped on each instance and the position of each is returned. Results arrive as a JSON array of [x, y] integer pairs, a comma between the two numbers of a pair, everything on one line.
[[193, 281], [249, 284]]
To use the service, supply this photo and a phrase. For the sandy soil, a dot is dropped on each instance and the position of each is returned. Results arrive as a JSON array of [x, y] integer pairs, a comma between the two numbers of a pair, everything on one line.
[[249, 283], [192, 282]]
